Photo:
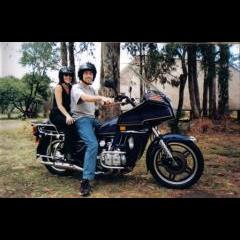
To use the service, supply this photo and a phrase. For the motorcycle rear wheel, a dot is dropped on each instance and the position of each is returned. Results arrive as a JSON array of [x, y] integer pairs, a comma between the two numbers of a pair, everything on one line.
[[52, 150]]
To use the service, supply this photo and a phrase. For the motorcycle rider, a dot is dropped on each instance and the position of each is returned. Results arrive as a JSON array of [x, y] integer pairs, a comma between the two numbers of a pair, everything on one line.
[[83, 100], [60, 112]]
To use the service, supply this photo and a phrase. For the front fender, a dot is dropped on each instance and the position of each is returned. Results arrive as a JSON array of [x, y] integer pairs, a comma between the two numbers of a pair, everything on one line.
[[178, 137], [169, 137]]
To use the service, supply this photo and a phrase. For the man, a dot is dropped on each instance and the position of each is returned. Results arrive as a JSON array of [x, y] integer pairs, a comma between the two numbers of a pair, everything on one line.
[[83, 99]]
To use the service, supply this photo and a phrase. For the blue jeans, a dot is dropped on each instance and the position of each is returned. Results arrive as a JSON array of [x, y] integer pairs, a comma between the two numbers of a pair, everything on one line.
[[86, 127]]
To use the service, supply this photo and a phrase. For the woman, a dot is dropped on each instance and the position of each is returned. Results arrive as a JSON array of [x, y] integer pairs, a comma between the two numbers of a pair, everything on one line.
[[60, 112]]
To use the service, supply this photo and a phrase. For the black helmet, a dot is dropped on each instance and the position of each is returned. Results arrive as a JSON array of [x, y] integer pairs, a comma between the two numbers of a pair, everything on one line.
[[87, 66], [65, 70]]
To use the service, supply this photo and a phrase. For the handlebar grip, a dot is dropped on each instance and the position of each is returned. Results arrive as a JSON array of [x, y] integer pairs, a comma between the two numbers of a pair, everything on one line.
[[129, 100]]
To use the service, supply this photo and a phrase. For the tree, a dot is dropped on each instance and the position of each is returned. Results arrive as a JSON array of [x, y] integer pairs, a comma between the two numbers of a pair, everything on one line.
[[110, 66], [208, 63], [39, 57], [192, 80], [71, 56], [139, 50], [153, 64], [223, 78], [9, 90], [180, 51], [88, 47], [64, 58], [159, 65], [195, 79], [203, 48], [110, 69], [71, 50], [211, 79], [171, 52], [31, 92]]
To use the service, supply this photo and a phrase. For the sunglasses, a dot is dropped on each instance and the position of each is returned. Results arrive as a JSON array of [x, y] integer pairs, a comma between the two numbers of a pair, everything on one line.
[[68, 74]]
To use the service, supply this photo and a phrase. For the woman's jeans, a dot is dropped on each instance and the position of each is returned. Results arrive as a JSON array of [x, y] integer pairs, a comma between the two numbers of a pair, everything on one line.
[[86, 127]]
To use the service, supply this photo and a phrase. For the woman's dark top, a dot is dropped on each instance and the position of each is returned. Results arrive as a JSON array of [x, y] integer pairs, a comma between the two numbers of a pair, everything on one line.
[[56, 116], [66, 100]]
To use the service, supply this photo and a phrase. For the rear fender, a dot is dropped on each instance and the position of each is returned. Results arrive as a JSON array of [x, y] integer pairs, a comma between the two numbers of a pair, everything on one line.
[[42, 146]]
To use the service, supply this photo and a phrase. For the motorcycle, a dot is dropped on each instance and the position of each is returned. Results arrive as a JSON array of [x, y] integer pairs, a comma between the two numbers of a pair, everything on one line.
[[174, 160]]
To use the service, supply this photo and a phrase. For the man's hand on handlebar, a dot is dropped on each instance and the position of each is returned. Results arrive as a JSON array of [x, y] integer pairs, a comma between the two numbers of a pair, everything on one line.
[[106, 100], [125, 100]]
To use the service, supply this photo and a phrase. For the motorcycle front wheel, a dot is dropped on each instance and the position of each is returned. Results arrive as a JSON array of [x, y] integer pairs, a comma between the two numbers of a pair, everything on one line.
[[184, 171]]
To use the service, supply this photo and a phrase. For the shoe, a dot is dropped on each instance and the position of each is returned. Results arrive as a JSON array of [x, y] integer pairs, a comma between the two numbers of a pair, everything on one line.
[[85, 188]]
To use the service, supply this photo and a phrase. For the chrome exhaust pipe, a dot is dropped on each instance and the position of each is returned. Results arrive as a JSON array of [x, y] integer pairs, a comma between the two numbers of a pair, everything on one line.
[[63, 165], [66, 166]]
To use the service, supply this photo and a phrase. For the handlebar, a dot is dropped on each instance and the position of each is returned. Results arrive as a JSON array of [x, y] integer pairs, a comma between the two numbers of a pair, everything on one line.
[[120, 98]]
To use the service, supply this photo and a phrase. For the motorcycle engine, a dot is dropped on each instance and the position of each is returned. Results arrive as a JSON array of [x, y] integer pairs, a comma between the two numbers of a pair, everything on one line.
[[115, 158]]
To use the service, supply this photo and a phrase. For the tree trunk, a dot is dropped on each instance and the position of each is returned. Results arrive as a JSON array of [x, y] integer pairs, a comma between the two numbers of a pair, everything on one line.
[[205, 94], [205, 51], [10, 112], [175, 123], [141, 70], [238, 115], [71, 57], [183, 79], [195, 79], [110, 66], [191, 59], [223, 77], [110, 69], [64, 54], [116, 64], [212, 82]]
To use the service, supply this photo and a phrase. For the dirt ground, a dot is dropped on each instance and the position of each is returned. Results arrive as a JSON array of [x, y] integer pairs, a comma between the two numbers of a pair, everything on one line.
[[22, 176]]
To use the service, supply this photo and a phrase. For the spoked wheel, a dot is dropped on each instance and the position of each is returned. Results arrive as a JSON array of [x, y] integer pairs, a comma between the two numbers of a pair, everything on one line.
[[184, 171]]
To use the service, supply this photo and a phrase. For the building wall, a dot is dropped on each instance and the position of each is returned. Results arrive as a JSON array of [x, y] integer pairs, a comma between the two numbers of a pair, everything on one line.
[[128, 77], [234, 89], [10, 57], [0, 59]]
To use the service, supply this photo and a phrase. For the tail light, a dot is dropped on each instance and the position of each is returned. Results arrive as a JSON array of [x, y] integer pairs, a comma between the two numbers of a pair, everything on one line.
[[35, 133], [34, 130]]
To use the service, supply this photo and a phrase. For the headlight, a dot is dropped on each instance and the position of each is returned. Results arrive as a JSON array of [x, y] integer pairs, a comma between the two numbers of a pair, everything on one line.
[[169, 99]]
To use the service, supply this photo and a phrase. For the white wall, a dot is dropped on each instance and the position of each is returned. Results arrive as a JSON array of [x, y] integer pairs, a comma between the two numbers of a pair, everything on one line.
[[10, 59], [0, 59], [127, 77]]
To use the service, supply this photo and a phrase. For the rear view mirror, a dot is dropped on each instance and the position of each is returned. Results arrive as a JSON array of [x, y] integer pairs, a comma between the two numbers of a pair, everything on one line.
[[109, 83]]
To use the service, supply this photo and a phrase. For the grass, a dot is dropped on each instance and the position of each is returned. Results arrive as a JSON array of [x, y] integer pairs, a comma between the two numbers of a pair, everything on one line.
[[21, 175]]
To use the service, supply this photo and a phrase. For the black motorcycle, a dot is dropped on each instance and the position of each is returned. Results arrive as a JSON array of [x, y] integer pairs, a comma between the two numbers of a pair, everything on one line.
[[174, 160]]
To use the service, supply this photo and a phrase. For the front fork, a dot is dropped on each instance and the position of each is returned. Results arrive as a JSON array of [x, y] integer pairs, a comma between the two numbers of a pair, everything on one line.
[[164, 146]]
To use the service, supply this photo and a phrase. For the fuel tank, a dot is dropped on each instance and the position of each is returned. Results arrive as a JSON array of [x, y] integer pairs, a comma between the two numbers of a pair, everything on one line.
[[108, 127]]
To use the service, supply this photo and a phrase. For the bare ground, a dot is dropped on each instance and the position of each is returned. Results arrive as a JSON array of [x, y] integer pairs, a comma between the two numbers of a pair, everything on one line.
[[21, 175]]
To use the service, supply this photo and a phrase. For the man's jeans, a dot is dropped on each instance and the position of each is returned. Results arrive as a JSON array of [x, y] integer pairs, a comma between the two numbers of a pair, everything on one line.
[[86, 127]]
